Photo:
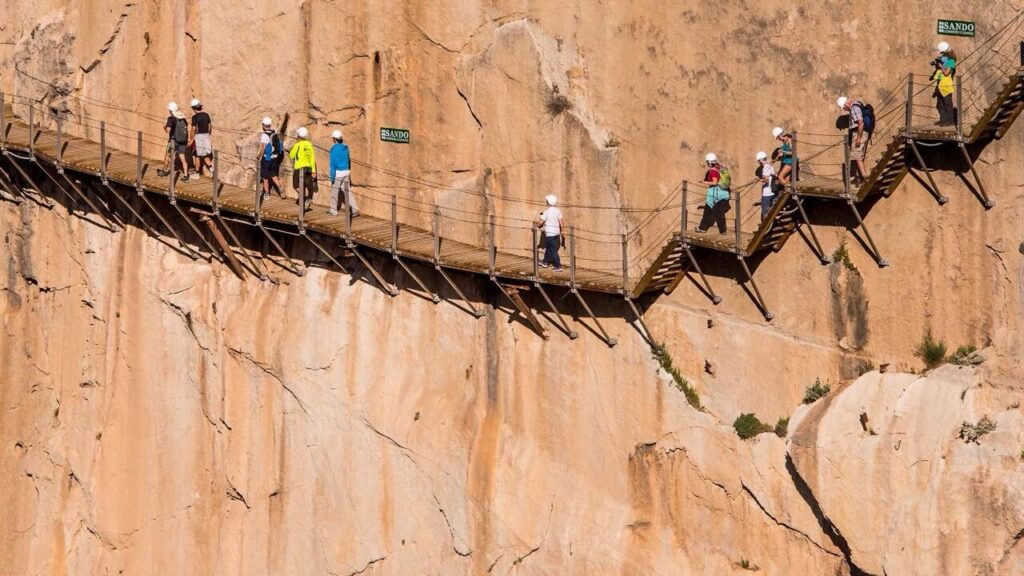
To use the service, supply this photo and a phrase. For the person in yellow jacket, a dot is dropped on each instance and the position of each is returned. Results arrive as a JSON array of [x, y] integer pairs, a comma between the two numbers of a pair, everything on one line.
[[945, 68], [303, 157]]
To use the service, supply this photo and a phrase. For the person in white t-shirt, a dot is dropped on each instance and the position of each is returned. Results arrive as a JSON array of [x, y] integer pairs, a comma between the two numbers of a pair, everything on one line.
[[766, 173], [550, 223]]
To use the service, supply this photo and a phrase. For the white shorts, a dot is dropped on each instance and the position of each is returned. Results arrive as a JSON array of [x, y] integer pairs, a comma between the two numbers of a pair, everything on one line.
[[203, 145]]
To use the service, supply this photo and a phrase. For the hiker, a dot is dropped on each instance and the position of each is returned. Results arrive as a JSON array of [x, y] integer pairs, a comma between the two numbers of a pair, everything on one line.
[[765, 172], [270, 156], [787, 154], [169, 129], [177, 129], [202, 146], [862, 120], [551, 225], [945, 69], [340, 172], [716, 202], [303, 168]]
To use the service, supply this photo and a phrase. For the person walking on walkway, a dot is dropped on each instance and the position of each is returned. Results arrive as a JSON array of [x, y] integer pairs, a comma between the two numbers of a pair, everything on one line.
[[787, 153], [859, 134], [303, 157], [340, 172], [270, 157], [716, 202], [201, 143], [169, 129], [945, 69], [551, 225], [177, 126], [766, 174]]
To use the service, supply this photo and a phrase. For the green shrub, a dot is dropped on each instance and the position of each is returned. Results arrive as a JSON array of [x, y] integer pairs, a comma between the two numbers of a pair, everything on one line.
[[782, 427], [973, 432], [818, 390], [966, 356], [931, 351], [747, 426], [665, 360], [842, 256]]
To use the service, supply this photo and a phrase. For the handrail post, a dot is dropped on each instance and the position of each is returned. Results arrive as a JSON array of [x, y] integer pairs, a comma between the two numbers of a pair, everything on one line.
[[60, 143], [492, 246], [796, 162], [216, 182], [625, 264], [1022, 54], [170, 178], [258, 203], [302, 200], [436, 224], [959, 112], [572, 257], [910, 105], [103, 151], [138, 161], [534, 249], [348, 215], [394, 224], [3, 121], [847, 168], [682, 213], [739, 214], [32, 130]]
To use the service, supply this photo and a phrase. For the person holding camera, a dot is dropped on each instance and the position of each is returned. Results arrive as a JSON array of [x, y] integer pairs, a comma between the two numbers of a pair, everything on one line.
[[945, 69]]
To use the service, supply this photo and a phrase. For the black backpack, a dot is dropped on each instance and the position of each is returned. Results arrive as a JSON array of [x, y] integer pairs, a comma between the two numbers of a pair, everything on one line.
[[869, 117], [181, 131]]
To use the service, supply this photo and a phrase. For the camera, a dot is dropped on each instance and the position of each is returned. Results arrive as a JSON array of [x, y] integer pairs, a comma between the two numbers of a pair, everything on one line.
[[937, 63]]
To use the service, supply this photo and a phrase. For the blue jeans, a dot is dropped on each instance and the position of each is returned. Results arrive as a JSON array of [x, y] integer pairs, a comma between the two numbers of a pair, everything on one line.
[[551, 246], [767, 203]]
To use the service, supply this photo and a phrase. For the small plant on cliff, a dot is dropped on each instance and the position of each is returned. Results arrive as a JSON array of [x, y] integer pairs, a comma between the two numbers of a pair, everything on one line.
[[966, 356], [746, 565], [557, 102], [931, 351], [782, 427], [818, 390], [842, 256], [973, 432], [747, 426], [665, 360]]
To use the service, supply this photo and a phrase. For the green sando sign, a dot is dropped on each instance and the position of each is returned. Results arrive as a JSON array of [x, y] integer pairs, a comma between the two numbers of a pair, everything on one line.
[[396, 135], [956, 28]]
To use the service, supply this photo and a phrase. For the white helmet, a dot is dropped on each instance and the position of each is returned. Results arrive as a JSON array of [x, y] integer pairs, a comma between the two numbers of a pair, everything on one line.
[[302, 132], [196, 103], [943, 47], [336, 134], [711, 157], [841, 102], [761, 156], [172, 106], [551, 200], [777, 131], [267, 121]]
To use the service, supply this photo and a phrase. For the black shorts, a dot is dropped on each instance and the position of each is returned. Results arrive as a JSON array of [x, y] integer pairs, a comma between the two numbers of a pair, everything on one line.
[[180, 148], [269, 169]]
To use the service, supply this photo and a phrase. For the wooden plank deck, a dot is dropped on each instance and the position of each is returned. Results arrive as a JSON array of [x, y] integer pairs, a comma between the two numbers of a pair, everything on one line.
[[83, 155]]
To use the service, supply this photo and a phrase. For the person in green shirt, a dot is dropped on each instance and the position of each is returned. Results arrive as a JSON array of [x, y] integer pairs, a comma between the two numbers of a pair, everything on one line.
[[303, 157]]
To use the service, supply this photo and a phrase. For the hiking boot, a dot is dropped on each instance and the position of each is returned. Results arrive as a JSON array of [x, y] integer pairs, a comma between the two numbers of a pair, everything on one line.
[[332, 212], [162, 173], [543, 264], [558, 269]]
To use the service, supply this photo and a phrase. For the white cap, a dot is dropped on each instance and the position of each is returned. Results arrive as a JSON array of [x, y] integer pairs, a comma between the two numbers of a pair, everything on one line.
[[264, 138], [943, 47], [172, 106], [841, 102], [551, 199], [302, 132], [761, 156], [267, 121], [777, 131], [336, 134], [711, 157], [196, 103]]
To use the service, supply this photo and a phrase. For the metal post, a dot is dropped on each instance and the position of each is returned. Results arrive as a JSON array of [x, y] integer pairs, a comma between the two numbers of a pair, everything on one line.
[[258, 199], [32, 130], [60, 144], [533, 234], [572, 257], [394, 224], [910, 105], [170, 181], [437, 235], [3, 121], [793, 177], [847, 167], [958, 113], [625, 264], [492, 246], [216, 183], [682, 213], [739, 219], [302, 200], [138, 161], [1022, 54], [103, 150], [348, 217]]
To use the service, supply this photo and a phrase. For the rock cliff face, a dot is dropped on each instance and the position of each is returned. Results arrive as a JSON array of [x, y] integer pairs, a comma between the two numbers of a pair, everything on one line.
[[153, 405]]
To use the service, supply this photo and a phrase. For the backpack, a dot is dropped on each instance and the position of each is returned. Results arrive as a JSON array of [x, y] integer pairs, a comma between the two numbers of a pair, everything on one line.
[[869, 117], [724, 178], [181, 131]]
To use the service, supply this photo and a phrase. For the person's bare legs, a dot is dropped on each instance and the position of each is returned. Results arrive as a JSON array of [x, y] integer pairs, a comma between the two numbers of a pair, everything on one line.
[[787, 169]]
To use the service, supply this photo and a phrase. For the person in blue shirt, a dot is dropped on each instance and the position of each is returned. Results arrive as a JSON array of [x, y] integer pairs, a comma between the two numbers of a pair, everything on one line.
[[341, 176]]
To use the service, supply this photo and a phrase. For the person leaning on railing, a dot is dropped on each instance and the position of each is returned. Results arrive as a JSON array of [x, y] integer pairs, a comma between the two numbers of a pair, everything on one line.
[[303, 168], [716, 202], [945, 69], [786, 148]]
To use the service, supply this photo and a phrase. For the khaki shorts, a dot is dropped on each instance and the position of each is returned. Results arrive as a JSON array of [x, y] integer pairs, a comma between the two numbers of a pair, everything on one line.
[[859, 152], [203, 145]]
